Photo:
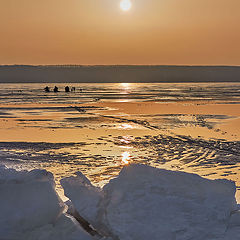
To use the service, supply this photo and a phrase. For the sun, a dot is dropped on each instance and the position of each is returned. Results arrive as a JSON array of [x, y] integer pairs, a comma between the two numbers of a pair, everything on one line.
[[125, 5]]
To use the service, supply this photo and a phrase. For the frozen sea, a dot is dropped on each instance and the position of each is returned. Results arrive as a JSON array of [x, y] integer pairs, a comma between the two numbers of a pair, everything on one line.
[[99, 128]]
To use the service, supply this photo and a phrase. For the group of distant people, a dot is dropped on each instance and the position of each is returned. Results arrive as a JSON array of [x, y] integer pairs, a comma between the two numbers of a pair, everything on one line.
[[67, 89]]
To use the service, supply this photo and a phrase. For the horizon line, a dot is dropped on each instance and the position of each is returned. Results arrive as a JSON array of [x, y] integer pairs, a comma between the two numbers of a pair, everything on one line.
[[117, 65]]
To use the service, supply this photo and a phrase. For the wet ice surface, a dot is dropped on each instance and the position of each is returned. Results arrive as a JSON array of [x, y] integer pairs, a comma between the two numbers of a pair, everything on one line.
[[209, 158], [82, 132], [33, 93]]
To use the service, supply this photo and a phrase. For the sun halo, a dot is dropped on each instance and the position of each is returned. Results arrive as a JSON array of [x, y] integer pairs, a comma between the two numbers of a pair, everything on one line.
[[125, 5]]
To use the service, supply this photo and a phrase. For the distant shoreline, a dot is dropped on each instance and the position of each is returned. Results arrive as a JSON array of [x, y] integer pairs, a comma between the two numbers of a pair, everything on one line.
[[115, 65], [117, 74]]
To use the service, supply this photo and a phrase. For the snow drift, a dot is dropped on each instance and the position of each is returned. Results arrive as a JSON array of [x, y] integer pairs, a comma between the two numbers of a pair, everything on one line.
[[31, 209], [141, 203], [148, 203]]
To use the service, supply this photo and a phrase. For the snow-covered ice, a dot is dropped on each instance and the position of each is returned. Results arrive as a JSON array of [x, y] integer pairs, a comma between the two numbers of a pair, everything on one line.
[[141, 203], [30, 208], [148, 203], [84, 196]]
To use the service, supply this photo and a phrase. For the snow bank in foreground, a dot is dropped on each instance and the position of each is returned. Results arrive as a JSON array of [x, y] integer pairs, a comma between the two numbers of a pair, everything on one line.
[[141, 203], [148, 203], [31, 209]]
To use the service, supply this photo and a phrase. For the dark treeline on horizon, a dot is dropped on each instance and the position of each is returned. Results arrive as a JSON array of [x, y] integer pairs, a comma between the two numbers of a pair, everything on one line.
[[117, 73]]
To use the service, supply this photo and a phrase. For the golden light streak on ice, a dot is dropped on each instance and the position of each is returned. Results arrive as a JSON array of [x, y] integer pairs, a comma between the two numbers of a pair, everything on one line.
[[125, 158]]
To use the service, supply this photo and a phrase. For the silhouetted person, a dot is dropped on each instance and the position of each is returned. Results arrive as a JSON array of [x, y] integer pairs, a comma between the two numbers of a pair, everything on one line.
[[67, 89], [73, 89], [47, 89], [55, 89]]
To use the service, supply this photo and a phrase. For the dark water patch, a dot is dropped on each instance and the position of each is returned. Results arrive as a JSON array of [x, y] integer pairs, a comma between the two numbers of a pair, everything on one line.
[[34, 120], [7, 117], [225, 102], [37, 146], [62, 109], [5, 114], [84, 119]]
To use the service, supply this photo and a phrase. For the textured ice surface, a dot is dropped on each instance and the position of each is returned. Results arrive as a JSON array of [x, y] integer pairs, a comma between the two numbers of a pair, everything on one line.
[[30, 209], [65, 228], [141, 203], [87, 201], [148, 203]]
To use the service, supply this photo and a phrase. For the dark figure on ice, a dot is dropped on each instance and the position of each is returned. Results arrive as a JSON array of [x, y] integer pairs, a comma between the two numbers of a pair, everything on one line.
[[73, 89], [47, 89], [67, 89], [55, 89]]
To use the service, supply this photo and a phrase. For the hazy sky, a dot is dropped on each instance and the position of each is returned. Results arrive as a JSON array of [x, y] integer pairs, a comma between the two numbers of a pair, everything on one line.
[[98, 32]]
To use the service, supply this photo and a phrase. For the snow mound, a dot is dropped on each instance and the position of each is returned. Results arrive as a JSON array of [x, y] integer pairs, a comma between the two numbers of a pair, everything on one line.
[[84, 196], [30, 209], [141, 203], [65, 228], [148, 203]]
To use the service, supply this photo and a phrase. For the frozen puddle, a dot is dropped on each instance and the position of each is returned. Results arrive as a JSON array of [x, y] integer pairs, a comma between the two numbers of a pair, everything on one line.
[[141, 203]]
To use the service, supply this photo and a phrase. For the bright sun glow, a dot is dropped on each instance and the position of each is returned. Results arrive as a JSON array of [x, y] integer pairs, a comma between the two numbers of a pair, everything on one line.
[[125, 5], [125, 85]]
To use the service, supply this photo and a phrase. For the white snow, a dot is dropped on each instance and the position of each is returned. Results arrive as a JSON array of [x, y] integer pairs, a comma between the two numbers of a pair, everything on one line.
[[84, 196], [141, 203], [148, 203], [31, 209], [65, 228]]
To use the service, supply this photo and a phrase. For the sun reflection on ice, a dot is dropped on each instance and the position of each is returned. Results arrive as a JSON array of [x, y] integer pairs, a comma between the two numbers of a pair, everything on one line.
[[125, 158], [126, 139], [126, 85], [125, 88], [126, 126]]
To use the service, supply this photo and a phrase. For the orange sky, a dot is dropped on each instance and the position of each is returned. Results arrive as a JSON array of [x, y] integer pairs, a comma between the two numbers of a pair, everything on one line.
[[205, 32]]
